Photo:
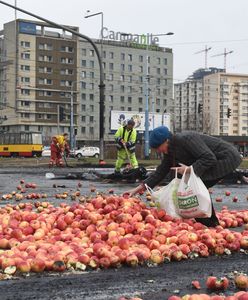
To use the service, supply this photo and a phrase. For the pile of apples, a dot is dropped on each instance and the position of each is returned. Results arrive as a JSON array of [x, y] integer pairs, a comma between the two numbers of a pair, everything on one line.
[[107, 231]]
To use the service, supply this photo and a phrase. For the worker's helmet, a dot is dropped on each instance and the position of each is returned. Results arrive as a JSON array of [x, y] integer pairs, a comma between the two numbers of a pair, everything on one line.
[[131, 122]]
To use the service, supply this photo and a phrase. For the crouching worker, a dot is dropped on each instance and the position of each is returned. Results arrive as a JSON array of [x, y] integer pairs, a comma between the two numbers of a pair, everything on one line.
[[125, 138], [211, 158], [59, 148]]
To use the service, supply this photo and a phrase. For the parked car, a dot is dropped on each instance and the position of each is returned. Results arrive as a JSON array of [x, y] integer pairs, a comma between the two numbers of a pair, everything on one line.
[[85, 152], [46, 151]]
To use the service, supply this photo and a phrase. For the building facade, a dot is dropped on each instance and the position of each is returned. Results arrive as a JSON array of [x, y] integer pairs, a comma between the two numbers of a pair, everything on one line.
[[49, 77], [126, 68], [225, 107], [189, 101], [38, 78]]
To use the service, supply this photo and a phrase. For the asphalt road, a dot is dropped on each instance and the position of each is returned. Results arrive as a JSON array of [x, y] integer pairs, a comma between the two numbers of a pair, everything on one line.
[[145, 282]]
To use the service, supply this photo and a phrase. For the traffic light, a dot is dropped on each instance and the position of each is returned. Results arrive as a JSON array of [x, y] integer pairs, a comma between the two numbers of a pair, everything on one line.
[[229, 112], [61, 113], [200, 106]]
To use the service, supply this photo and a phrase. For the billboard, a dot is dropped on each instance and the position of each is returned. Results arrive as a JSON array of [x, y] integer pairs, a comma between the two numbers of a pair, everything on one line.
[[27, 28], [119, 118]]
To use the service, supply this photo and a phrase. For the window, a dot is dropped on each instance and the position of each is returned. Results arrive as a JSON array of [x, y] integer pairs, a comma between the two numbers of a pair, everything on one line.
[[111, 77], [158, 71], [141, 58], [129, 108], [25, 68], [67, 49], [129, 99], [158, 80], [25, 103], [130, 68], [92, 53], [111, 98], [91, 108], [83, 85], [91, 119], [83, 130], [92, 97], [141, 90], [83, 118], [111, 55], [129, 78], [129, 89], [140, 78], [122, 88], [157, 101], [66, 60], [165, 92], [111, 87], [92, 64], [165, 71], [122, 100], [25, 79], [130, 57], [122, 56], [141, 69], [83, 107], [83, 52], [25, 55], [111, 66], [165, 61], [122, 77], [83, 63], [92, 75], [140, 109], [25, 44], [122, 67], [158, 60], [83, 96], [91, 86], [45, 46], [83, 74]]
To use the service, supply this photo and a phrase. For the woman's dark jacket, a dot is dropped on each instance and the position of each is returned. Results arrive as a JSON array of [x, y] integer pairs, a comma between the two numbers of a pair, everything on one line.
[[212, 158]]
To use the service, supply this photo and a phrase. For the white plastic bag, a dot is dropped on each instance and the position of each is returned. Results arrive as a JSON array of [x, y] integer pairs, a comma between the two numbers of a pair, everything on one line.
[[193, 199], [166, 197]]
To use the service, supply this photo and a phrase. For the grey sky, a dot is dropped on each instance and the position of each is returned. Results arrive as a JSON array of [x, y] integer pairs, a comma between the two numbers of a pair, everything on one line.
[[216, 23]]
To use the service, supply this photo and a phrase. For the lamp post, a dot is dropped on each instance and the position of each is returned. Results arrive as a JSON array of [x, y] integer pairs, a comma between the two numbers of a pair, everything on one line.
[[147, 92], [96, 14]]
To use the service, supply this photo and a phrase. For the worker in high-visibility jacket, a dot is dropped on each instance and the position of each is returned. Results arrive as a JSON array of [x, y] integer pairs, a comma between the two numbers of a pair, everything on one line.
[[59, 148], [125, 138]]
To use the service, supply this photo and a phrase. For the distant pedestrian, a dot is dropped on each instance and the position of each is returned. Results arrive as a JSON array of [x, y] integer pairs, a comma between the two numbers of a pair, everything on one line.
[[59, 148], [125, 138]]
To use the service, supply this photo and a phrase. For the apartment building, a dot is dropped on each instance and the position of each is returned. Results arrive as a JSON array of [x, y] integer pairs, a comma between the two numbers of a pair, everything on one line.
[[49, 77], [189, 99], [225, 107], [126, 68], [40, 67]]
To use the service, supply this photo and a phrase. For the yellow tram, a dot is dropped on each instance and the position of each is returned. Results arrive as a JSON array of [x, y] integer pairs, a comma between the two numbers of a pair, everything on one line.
[[27, 144]]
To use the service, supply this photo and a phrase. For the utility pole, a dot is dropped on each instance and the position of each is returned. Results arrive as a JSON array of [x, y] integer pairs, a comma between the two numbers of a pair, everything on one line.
[[206, 55]]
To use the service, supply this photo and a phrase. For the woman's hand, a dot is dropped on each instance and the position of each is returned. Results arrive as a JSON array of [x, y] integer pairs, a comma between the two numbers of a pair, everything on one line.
[[140, 188], [181, 169]]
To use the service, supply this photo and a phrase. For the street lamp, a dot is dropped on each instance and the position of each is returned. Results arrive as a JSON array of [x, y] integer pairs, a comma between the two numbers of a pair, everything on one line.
[[96, 14]]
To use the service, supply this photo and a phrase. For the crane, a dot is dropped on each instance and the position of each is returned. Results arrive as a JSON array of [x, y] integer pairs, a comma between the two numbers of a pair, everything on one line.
[[206, 54], [225, 54]]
